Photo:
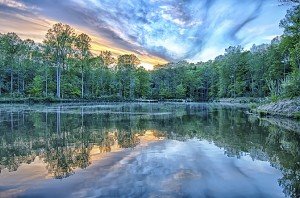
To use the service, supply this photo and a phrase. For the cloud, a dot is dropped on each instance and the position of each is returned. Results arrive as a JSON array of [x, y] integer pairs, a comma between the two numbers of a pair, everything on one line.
[[16, 18], [13, 4], [162, 29]]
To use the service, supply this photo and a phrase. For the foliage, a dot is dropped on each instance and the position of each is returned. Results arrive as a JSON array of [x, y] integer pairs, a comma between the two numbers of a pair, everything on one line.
[[64, 66]]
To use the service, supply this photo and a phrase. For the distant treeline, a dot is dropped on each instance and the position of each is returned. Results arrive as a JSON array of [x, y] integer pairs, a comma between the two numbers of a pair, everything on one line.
[[64, 67]]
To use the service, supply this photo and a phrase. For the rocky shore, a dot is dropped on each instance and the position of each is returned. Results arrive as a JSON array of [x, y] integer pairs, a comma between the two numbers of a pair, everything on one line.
[[288, 108], [285, 108]]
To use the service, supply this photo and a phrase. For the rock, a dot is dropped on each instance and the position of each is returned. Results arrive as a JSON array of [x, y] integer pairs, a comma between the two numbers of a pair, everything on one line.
[[287, 108]]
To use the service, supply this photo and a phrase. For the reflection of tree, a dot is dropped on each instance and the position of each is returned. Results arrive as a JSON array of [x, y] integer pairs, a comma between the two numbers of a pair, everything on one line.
[[127, 139], [284, 150], [62, 157], [65, 141], [12, 162], [62, 161], [83, 160], [59, 162], [107, 142]]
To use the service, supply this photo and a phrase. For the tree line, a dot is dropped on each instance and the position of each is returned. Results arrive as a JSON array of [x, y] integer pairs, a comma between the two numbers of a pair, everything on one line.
[[64, 67]]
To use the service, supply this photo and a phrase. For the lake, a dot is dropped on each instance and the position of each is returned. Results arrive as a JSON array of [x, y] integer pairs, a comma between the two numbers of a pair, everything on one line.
[[145, 150]]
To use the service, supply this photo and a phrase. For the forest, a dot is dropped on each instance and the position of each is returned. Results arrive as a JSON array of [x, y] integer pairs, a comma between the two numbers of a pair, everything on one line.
[[63, 67]]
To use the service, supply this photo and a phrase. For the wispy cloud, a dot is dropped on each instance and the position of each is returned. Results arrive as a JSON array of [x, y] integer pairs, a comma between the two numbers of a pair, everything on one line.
[[13, 4], [159, 29]]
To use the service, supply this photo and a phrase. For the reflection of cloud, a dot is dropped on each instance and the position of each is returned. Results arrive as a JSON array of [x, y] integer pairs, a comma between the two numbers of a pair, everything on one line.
[[20, 179], [156, 30], [168, 169]]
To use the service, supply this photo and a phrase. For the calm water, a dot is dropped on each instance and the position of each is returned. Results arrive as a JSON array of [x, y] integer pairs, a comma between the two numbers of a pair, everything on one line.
[[145, 150]]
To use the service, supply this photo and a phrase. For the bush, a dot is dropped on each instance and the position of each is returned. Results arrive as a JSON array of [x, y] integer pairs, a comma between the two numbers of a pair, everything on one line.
[[291, 88]]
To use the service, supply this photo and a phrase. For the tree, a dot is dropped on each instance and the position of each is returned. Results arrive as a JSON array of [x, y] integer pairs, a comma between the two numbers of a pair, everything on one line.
[[126, 66], [107, 58], [2, 58], [257, 66], [142, 85], [291, 23], [60, 38], [128, 60], [36, 87], [291, 44], [30, 60], [83, 46], [180, 91], [10, 47]]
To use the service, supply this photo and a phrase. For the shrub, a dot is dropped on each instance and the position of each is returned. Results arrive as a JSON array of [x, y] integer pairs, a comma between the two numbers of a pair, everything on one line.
[[291, 88]]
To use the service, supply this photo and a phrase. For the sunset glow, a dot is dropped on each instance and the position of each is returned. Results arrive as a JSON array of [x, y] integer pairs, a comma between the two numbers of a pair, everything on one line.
[[156, 31]]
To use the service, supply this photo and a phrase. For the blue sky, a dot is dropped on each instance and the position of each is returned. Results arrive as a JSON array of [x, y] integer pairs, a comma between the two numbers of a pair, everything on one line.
[[156, 30]]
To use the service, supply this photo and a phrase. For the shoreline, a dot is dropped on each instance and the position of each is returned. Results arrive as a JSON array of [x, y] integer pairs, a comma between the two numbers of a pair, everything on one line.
[[288, 108], [55, 100], [262, 107]]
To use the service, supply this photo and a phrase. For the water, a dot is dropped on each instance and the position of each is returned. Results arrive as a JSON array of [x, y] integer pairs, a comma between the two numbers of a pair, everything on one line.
[[145, 150]]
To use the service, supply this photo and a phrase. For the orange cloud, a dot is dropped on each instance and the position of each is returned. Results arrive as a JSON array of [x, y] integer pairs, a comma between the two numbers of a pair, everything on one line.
[[35, 27]]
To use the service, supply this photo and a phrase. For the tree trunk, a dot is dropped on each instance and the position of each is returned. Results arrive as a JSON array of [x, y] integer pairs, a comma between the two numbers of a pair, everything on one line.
[[58, 73], [298, 61], [0, 86], [82, 86], [82, 119], [11, 122], [58, 122], [46, 81], [18, 81], [11, 81], [131, 89], [46, 130]]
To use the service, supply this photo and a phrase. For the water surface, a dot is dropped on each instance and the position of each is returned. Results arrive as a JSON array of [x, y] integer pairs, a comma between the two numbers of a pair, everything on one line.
[[145, 150]]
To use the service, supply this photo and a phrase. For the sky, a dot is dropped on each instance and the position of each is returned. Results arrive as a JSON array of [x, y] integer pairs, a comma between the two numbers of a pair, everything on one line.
[[157, 31]]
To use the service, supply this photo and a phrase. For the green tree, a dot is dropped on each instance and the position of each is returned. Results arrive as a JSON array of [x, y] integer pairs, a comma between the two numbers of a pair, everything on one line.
[[142, 83], [11, 47], [291, 44], [126, 66], [107, 58], [83, 46], [36, 88], [60, 38], [257, 66]]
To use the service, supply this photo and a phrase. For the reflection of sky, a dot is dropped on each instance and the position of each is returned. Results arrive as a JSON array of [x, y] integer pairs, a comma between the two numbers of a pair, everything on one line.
[[166, 168], [156, 30]]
